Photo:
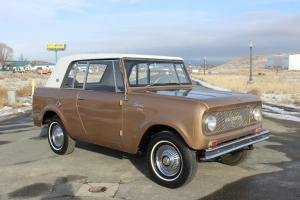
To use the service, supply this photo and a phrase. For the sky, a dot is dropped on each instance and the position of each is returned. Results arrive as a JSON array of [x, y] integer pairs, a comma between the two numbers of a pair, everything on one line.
[[192, 29]]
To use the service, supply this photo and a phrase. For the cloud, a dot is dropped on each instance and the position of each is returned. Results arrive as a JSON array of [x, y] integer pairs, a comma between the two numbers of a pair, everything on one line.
[[110, 26]]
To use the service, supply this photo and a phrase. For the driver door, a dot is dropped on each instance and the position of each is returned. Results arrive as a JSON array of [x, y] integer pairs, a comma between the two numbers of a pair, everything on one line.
[[98, 103]]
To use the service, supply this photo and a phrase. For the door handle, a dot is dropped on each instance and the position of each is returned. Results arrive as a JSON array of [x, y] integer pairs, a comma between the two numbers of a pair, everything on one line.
[[81, 99]]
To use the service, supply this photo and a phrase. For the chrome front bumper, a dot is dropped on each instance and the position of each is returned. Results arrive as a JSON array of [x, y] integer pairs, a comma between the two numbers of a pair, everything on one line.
[[234, 145]]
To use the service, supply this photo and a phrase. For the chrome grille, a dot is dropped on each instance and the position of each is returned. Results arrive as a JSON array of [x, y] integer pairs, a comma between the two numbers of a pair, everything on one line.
[[231, 119]]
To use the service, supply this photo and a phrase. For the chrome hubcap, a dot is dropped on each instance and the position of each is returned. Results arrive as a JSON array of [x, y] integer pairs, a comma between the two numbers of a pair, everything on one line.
[[57, 136], [167, 159]]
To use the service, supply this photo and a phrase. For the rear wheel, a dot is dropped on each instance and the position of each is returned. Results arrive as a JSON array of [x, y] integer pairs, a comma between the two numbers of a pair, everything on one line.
[[170, 162], [235, 158], [58, 138]]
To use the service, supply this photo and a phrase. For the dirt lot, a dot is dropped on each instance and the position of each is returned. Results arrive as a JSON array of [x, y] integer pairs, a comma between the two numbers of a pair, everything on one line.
[[29, 169]]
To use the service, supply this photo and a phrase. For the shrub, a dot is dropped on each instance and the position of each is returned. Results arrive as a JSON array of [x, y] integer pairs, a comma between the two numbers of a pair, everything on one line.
[[24, 92], [254, 91], [296, 98], [3, 95]]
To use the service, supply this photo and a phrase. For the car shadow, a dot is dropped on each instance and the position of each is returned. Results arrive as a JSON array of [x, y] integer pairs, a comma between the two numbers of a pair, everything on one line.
[[18, 119], [137, 160], [16, 124], [283, 184]]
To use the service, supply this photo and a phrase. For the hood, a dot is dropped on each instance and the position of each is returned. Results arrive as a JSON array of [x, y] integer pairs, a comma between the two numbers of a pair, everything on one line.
[[209, 97]]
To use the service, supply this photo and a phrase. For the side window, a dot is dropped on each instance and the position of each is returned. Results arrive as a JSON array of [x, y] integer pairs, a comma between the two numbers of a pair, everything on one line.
[[69, 81], [95, 74], [76, 76], [80, 73], [104, 76]]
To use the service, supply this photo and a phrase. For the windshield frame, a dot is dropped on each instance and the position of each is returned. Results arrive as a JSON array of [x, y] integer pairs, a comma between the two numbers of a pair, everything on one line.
[[174, 62]]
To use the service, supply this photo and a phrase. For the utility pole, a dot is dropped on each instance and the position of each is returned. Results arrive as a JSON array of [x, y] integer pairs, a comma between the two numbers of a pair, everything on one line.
[[55, 56], [56, 47], [250, 72], [204, 65]]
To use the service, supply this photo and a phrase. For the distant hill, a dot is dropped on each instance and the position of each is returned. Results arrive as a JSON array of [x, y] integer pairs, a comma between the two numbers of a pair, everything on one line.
[[243, 63]]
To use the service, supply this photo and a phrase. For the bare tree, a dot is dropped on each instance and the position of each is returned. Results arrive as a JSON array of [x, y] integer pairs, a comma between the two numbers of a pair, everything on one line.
[[6, 53]]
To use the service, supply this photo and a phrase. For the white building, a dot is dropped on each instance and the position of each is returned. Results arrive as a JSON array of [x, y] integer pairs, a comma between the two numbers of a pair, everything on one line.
[[284, 61], [294, 62]]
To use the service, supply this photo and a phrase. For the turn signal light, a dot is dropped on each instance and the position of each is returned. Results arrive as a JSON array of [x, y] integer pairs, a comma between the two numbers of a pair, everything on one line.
[[258, 130], [213, 143]]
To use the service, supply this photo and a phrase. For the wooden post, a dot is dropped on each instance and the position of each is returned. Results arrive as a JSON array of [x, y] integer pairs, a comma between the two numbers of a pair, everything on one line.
[[11, 97], [32, 86]]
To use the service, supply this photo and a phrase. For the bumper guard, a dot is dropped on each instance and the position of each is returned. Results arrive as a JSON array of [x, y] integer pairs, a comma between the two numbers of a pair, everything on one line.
[[235, 145]]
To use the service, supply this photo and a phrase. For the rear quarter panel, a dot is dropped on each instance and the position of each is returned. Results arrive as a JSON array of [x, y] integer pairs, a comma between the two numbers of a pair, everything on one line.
[[63, 103]]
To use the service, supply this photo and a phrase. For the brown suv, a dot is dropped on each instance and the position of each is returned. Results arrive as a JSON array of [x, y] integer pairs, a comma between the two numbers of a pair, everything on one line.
[[140, 103]]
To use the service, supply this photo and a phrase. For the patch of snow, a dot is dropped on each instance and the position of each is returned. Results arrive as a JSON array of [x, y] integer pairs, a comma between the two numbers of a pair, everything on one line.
[[278, 110], [278, 98], [26, 104], [5, 111], [282, 116]]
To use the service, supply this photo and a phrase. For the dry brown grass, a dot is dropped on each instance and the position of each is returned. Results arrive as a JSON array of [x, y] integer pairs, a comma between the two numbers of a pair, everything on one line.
[[21, 83], [268, 83], [296, 99], [255, 91], [3, 95], [265, 81], [22, 76], [25, 91]]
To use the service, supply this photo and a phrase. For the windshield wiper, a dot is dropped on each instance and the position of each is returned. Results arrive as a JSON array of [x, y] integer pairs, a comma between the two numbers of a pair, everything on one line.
[[162, 84]]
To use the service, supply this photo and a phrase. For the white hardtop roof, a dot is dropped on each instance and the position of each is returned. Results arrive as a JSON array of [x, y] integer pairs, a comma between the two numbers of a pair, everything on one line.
[[116, 56], [57, 76]]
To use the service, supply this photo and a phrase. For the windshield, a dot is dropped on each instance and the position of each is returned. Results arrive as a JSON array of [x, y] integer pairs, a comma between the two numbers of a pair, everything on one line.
[[143, 73]]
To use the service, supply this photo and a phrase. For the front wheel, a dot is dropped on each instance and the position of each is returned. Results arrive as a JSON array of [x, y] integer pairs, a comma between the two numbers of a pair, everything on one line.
[[58, 138], [170, 162]]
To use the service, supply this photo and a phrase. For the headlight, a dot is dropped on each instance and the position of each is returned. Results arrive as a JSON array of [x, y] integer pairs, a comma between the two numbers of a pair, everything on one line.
[[256, 113], [210, 122]]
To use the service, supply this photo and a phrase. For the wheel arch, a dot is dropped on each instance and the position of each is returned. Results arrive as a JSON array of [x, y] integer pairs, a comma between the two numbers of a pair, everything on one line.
[[48, 115], [50, 112], [154, 130]]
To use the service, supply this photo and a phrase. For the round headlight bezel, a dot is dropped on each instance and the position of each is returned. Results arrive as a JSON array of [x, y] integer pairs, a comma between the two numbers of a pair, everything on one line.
[[210, 123], [256, 114]]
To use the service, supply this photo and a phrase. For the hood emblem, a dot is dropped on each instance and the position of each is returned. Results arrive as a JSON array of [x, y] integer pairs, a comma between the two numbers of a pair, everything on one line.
[[233, 119], [139, 107]]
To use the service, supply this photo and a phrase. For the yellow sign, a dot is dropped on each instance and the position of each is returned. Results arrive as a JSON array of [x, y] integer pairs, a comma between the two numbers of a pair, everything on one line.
[[56, 47]]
